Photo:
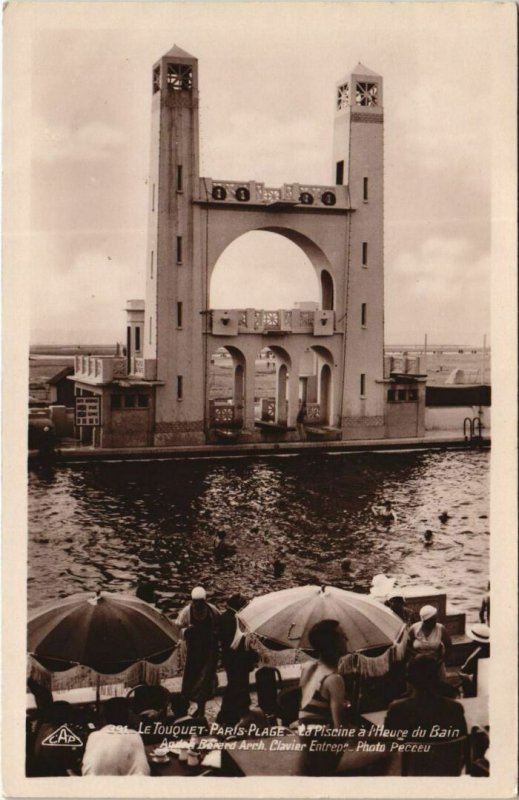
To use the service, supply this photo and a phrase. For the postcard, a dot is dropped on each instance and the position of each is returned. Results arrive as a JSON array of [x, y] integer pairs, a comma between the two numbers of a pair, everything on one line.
[[259, 399]]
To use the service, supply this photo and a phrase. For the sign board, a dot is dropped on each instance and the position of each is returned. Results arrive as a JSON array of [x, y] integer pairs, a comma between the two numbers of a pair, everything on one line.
[[88, 411]]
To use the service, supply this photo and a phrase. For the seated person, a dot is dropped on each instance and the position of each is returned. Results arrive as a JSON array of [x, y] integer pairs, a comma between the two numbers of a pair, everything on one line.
[[426, 708], [180, 718], [148, 705], [55, 754], [253, 720], [469, 670], [480, 741], [115, 749]]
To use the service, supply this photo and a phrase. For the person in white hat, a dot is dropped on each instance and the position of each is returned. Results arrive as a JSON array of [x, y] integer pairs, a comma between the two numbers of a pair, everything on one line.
[[200, 625], [469, 670], [429, 638]]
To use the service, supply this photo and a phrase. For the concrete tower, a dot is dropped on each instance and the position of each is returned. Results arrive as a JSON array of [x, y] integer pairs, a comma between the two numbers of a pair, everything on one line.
[[173, 335], [359, 162]]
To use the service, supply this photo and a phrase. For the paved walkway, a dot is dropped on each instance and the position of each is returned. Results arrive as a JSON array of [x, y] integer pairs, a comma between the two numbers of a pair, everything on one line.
[[431, 440]]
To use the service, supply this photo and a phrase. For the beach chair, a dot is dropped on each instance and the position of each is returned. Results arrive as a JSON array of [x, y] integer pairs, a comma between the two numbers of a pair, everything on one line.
[[268, 686]]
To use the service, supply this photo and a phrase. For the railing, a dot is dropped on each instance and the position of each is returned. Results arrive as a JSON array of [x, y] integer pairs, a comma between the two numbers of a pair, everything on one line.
[[313, 413], [268, 409], [222, 414], [231, 322], [472, 429]]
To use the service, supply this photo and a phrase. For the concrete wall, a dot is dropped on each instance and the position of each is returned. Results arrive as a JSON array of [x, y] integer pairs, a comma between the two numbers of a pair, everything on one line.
[[131, 427], [450, 418]]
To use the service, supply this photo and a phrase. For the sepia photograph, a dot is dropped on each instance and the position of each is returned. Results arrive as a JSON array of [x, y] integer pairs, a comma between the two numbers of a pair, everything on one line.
[[260, 318]]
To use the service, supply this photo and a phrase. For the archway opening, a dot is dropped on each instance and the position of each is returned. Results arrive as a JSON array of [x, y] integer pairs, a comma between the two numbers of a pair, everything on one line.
[[327, 296], [271, 386], [226, 388], [325, 386], [264, 270]]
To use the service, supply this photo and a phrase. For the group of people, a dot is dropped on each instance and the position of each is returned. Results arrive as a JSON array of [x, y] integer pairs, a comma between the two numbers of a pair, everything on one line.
[[211, 637], [66, 740], [206, 632], [428, 699]]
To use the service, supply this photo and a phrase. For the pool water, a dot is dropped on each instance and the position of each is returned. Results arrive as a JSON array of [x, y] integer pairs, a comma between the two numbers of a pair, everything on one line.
[[112, 524]]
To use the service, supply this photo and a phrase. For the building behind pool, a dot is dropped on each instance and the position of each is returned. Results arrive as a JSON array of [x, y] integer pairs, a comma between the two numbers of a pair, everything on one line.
[[329, 355]]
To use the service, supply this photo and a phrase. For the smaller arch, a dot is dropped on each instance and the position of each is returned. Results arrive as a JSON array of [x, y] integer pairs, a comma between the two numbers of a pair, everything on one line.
[[227, 388], [282, 395], [325, 372], [281, 354], [325, 393]]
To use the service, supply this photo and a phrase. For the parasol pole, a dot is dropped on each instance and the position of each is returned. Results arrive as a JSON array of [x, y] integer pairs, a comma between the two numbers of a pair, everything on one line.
[[98, 693]]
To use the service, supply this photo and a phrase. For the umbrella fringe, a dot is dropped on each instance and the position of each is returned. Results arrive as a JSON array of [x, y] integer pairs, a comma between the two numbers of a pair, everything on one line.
[[80, 676]]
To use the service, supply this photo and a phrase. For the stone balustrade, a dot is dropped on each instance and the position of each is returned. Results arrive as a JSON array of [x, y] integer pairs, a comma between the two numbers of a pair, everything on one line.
[[402, 365], [143, 368], [231, 322], [99, 369]]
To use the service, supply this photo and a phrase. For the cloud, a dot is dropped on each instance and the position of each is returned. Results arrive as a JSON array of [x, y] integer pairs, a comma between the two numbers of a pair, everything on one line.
[[86, 302], [440, 287], [93, 141]]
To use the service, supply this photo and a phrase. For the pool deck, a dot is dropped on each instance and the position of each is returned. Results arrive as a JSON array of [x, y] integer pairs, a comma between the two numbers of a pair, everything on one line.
[[433, 440]]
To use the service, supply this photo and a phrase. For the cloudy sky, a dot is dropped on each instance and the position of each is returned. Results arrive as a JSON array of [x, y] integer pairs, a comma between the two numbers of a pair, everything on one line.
[[82, 74]]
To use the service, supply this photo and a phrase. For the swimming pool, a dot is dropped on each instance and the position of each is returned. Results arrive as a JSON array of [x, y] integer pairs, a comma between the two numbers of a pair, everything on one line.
[[110, 525]]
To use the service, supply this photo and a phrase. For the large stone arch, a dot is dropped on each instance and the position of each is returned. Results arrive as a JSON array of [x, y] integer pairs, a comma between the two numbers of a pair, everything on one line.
[[218, 241]]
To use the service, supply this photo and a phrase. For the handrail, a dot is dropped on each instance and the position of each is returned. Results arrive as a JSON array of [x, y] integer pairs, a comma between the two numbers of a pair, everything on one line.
[[470, 427]]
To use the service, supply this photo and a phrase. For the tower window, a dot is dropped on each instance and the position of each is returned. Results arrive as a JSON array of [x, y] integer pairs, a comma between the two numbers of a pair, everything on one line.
[[179, 315], [153, 197], [364, 254], [180, 387], [137, 339], [366, 94], [179, 178], [152, 257], [156, 79], [365, 195], [363, 315], [150, 331], [179, 249], [362, 384], [343, 96], [180, 76], [339, 173]]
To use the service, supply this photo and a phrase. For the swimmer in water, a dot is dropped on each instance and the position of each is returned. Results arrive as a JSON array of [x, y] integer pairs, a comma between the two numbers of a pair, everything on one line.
[[279, 568], [385, 513], [444, 516], [428, 538], [220, 546]]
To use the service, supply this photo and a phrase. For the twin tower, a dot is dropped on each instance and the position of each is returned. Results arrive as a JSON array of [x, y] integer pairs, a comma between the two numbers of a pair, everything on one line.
[[328, 355]]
